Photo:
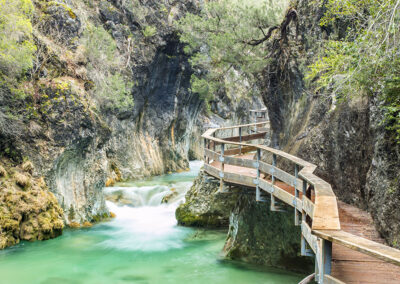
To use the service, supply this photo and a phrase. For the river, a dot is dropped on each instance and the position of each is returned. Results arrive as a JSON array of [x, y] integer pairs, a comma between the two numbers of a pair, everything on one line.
[[143, 245]]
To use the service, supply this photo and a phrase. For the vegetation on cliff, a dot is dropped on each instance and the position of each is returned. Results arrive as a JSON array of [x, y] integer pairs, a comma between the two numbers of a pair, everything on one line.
[[16, 42], [366, 61]]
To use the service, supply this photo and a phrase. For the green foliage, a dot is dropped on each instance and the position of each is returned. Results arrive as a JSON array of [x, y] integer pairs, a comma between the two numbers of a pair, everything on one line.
[[367, 62], [16, 44], [149, 31], [112, 89], [218, 40], [115, 91]]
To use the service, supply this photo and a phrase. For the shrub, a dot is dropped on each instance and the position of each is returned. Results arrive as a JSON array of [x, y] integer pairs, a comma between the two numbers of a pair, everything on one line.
[[149, 31], [367, 60], [16, 44], [112, 89]]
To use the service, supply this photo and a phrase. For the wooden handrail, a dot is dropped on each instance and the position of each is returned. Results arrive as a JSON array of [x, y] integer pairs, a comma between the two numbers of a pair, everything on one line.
[[323, 211], [326, 214]]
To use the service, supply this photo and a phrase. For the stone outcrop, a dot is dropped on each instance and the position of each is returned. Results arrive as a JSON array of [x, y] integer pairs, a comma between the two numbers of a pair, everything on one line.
[[28, 211], [256, 235], [204, 206]]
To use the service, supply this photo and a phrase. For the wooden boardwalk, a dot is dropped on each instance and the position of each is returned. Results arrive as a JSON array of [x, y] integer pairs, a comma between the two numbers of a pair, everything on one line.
[[341, 237], [348, 265]]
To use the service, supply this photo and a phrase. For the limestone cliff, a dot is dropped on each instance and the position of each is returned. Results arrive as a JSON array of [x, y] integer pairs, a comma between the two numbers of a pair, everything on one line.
[[346, 140], [108, 98]]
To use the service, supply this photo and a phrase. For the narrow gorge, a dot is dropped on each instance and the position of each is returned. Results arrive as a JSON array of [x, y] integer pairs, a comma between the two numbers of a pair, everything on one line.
[[104, 106]]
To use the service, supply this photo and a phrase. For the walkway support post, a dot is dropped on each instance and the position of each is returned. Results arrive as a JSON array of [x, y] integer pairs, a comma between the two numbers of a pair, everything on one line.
[[214, 146], [221, 174], [325, 267], [257, 181], [273, 207], [304, 251], [296, 194], [240, 140], [205, 147]]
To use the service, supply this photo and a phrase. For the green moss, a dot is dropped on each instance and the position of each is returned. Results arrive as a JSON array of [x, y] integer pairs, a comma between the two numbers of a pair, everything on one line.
[[185, 218], [71, 213], [100, 217], [66, 8]]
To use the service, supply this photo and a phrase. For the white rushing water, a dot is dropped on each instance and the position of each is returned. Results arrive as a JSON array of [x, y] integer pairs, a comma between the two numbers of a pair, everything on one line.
[[142, 245], [144, 223]]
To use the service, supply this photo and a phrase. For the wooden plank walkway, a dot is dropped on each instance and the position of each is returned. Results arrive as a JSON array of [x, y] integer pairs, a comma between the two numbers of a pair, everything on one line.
[[348, 265], [342, 238]]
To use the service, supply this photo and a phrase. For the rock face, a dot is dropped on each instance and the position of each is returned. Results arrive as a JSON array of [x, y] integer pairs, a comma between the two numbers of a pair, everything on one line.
[[255, 235], [59, 118], [346, 140], [258, 235]]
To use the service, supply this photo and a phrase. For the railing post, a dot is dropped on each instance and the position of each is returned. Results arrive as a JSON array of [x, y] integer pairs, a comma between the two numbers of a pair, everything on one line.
[[325, 267], [205, 147], [258, 193], [296, 194], [303, 220], [240, 140], [255, 121], [221, 174], [214, 142], [273, 207]]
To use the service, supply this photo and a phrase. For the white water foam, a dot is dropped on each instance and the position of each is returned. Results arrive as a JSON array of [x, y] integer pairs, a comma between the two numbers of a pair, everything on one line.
[[146, 224]]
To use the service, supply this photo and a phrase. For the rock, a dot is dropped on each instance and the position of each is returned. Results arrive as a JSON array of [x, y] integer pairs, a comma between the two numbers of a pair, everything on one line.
[[170, 197], [204, 206], [257, 235], [62, 22], [27, 211], [346, 140]]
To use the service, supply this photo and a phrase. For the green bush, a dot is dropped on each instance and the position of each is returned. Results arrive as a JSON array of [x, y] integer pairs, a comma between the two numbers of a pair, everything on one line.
[[367, 60], [112, 88], [16, 44], [149, 31]]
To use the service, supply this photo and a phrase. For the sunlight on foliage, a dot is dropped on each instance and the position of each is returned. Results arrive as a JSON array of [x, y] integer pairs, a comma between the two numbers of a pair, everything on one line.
[[16, 44], [368, 63]]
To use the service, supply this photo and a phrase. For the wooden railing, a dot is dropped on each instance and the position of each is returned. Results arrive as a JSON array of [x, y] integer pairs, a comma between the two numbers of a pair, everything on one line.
[[314, 202]]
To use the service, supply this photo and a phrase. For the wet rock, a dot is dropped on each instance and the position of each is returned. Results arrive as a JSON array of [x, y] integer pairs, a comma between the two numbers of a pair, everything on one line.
[[170, 197], [257, 235], [204, 205]]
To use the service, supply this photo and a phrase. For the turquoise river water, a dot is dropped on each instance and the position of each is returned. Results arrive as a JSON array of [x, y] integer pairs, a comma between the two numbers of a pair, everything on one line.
[[143, 244]]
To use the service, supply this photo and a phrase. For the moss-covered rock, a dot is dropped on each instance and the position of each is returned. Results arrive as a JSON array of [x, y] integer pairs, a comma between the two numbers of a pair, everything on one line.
[[260, 236], [28, 211], [205, 206]]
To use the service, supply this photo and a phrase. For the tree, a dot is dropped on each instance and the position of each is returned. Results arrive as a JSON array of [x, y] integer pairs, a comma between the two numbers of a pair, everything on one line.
[[226, 40]]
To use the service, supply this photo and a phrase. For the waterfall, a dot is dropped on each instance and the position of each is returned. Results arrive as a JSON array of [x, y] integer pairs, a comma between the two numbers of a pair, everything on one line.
[[143, 223]]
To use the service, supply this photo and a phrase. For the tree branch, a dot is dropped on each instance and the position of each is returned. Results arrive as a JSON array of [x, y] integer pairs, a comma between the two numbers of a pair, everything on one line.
[[255, 42]]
